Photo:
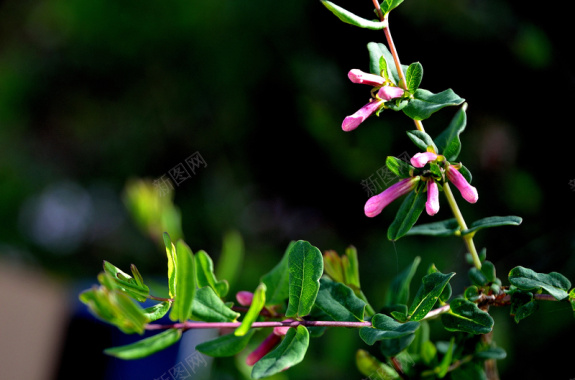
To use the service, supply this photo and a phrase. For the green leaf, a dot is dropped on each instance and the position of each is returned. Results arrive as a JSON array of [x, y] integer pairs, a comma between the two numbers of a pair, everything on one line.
[[388, 5], [465, 316], [425, 103], [230, 260], [385, 327], [185, 286], [522, 305], [572, 299], [471, 293], [383, 69], [421, 139], [554, 283], [493, 221], [351, 269], [369, 366], [277, 280], [428, 352], [399, 167], [446, 360], [290, 352], [428, 293], [225, 345], [447, 227], [339, 302], [448, 141], [447, 291], [172, 264], [407, 214], [352, 19], [413, 76], [146, 347], [135, 288], [209, 307], [305, 265], [110, 304], [378, 50], [469, 371], [205, 274], [398, 292], [258, 303], [392, 347], [157, 311]]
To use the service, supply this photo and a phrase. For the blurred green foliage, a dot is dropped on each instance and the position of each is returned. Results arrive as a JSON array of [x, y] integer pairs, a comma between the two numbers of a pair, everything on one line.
[[96, 94]]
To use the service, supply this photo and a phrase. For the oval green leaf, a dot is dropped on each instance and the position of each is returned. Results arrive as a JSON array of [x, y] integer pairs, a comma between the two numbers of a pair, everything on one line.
[[407, 215], [146, 347], [425, 103], [185, 285], [338, 302], [385, 327], [352, 19], [290, 352], [225, 345], [465, 316], [428, 293], [305, 264], [553, 283]]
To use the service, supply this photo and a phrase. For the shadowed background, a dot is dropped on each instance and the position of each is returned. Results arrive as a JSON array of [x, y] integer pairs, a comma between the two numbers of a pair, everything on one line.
[[95, 94]]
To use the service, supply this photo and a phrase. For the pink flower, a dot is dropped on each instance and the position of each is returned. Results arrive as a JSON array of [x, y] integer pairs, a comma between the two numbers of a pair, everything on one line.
[[352, 122], [358, 76], [432, 204], [420, 159], [468, 192], [377, 203], [244, 298], [281, 331], [387, 93], [265, 347], [384, 94]]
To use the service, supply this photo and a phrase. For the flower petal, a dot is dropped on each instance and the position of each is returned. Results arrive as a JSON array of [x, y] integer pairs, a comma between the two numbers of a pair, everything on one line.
[[377, 203], [387, 92], [420, 159], [358, 76], [432, 204], [265, 347], [468, 192], [352, 122], [244, 298]]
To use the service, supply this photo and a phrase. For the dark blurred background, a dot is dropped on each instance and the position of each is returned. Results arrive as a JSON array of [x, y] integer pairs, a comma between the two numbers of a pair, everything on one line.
[[94, 95]]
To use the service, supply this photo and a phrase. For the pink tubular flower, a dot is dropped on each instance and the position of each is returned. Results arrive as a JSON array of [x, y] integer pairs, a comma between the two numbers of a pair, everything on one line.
[[384, 94], [352, 122], [420, 159], [377, 203], [265, 347], [432, 204], [244, 298], [387, 93], [358, 76], [468, 192]]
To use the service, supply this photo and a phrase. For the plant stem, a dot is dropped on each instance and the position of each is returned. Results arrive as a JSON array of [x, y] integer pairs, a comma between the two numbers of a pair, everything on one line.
[[159, 298], [221, 325], [468, 239]]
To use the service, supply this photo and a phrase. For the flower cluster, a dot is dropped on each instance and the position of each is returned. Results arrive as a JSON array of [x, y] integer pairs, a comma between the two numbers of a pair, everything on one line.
[[386, 91], [442, 171]]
